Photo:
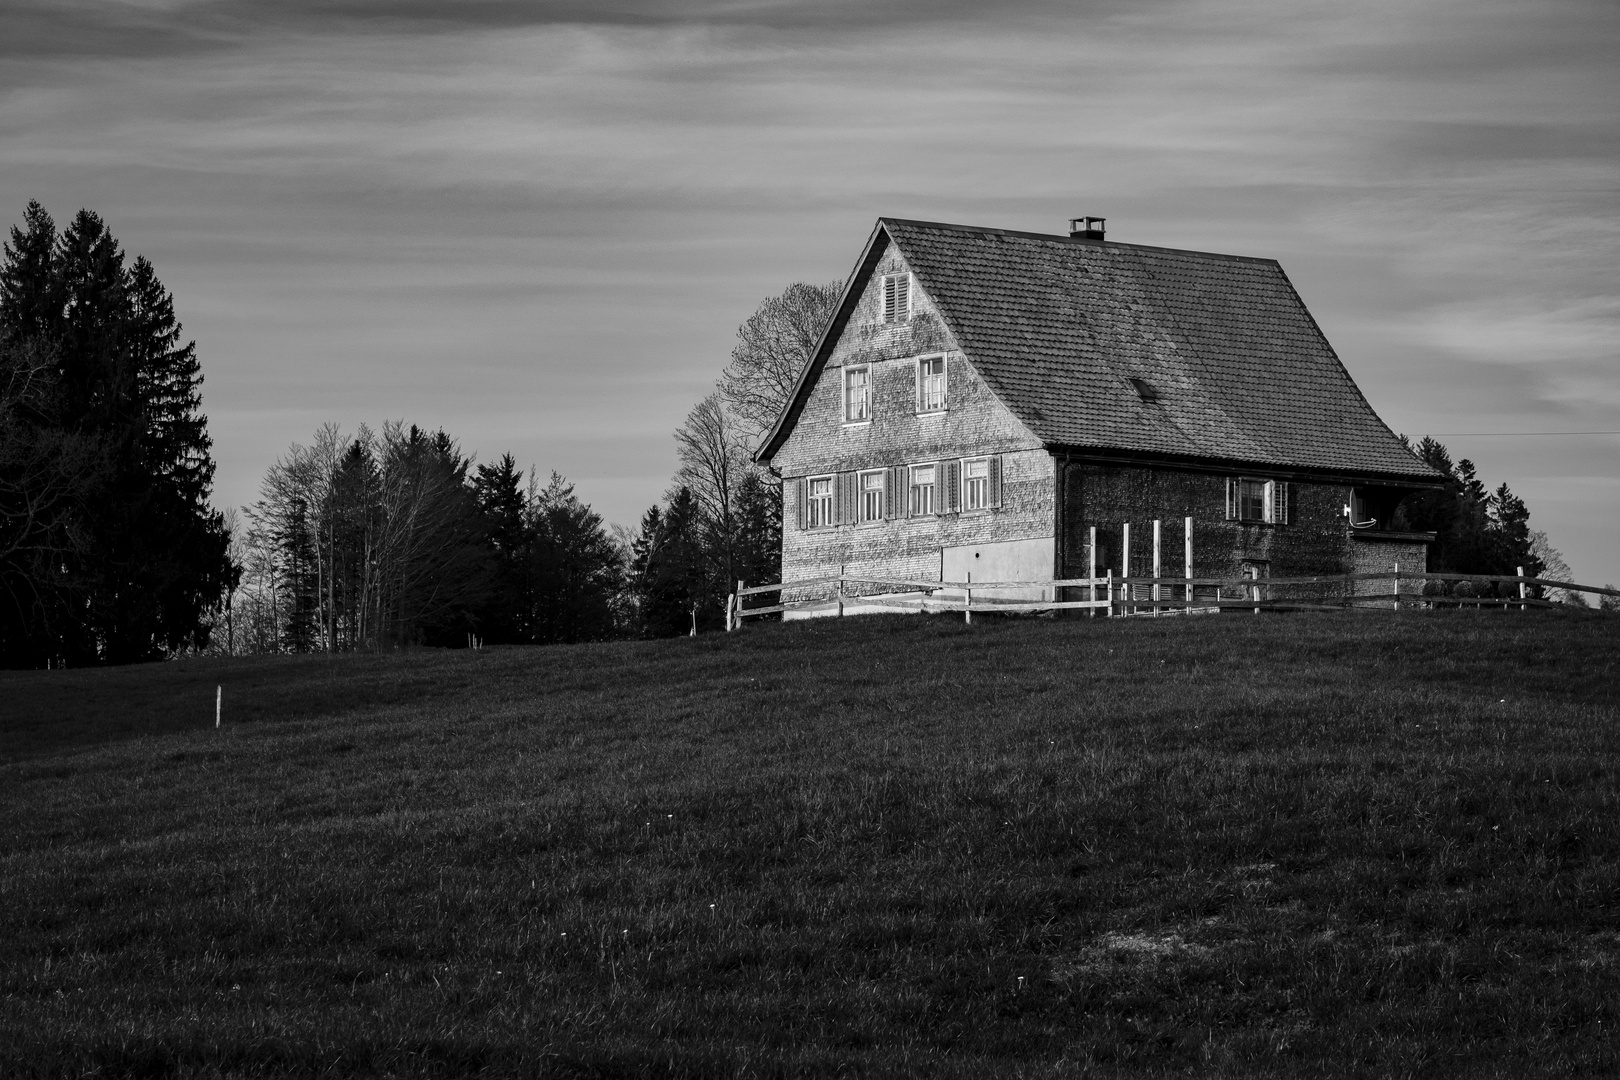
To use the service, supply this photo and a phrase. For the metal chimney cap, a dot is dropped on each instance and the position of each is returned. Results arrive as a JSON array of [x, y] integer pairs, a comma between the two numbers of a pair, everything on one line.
[[1086, 228]]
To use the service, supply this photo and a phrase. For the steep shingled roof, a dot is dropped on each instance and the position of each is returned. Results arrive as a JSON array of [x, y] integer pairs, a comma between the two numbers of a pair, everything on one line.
[[1058, 328]]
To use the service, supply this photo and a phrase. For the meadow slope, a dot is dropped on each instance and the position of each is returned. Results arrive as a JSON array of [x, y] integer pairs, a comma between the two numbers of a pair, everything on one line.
[[1340, 845]]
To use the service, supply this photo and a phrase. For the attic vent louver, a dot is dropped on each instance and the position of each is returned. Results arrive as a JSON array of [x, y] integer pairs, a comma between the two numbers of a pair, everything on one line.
[[1086, 228], [1145, 390]]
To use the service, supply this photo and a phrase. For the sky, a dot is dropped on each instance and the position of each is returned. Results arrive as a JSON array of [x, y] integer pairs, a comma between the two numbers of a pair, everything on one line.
[[538, 225]]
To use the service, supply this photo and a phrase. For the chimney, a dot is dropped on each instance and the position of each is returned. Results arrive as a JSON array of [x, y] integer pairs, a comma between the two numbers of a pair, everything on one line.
[[1086, 228]]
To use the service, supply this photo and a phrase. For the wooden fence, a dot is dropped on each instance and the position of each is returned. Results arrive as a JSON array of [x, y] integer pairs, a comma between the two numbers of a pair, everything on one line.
[[1113, 596]]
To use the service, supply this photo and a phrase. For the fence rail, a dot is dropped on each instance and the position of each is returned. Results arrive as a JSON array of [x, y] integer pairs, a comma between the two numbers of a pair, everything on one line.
[[1150, 596]]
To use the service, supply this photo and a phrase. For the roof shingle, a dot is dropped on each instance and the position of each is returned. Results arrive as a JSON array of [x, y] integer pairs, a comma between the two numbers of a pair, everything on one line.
[[1059, 327]]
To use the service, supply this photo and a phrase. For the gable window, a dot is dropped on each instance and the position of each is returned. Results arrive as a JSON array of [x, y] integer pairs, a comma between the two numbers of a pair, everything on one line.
[[1257, 501], [819, 504], [896, 297], [871, 496], [857, 395], [922, 490], [931, 384], [976, 484]]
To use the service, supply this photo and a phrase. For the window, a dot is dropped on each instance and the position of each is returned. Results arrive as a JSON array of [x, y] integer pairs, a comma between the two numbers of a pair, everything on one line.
[[857, 395], [1252, 500], [931, 384], [922, 490], [976, 484], [871, 496], [896, 297], [1257, 500], [819, 506]]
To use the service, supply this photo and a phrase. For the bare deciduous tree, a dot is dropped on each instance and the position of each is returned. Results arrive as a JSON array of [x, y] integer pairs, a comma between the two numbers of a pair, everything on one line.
[[772, 348]]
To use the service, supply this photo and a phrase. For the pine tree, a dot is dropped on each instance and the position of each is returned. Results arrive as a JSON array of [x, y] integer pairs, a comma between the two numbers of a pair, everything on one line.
[[155, 558], [575, 567], [1477, 531], [759, 540], [670, 574], [509, 616]]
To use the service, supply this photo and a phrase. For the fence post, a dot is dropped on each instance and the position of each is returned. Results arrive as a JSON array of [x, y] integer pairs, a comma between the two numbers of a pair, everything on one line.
[[740, 587], [1125, 570], [1254, 575], [1110, 592], [840, 590], [967, 607], [1091, 573], [1187, 560], [1522, 592], [1158, 566], [1397, 586]]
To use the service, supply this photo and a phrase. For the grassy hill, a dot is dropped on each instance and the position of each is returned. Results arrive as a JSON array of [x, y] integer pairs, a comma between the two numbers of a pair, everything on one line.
[[1350, 844]]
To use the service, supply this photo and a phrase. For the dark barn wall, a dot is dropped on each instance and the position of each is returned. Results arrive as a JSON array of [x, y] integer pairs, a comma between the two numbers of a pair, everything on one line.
[[1314, 541]]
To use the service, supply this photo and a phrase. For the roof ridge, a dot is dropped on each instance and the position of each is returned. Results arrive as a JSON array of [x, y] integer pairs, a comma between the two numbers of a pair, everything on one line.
[[1075, 240]]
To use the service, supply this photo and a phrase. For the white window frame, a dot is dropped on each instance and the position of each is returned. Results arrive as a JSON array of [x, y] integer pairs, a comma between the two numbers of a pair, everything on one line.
[[975, 485], [865, 371], [819, 509], [1267, 500], [922, 499], [869, 508], [896, 309], [923, 407]]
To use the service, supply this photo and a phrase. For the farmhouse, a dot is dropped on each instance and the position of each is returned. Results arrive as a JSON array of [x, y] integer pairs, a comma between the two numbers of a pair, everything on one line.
[[1022, 407]]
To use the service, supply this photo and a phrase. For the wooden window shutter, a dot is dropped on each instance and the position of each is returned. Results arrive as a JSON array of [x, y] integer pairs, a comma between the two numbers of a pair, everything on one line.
[[891, 494], [995, 481], [1231, 498], [1279, 502], [800, 498], [842, 498], [939, 487], [951, 489]]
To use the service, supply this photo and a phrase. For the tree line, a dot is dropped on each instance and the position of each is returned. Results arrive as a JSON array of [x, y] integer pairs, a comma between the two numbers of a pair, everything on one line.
[[110, 551], [391, 538], [1479, 530]]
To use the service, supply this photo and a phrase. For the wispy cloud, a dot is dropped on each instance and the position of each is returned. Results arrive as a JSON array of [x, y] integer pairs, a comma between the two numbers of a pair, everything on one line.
[[529, 221]]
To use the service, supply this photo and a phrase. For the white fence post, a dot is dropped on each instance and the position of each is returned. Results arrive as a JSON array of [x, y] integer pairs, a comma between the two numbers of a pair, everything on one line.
[[1125, 568], [1397, 586], [1091, 572], [1158, 568], [967, 608], [1187, 560]]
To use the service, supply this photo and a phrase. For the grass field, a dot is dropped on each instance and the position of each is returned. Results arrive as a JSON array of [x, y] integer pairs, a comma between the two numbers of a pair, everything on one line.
[[1337, 845]]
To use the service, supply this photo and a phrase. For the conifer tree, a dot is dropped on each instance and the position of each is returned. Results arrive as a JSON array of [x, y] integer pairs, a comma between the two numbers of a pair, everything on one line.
[[509, 616], [575, 568], [154, 560]]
